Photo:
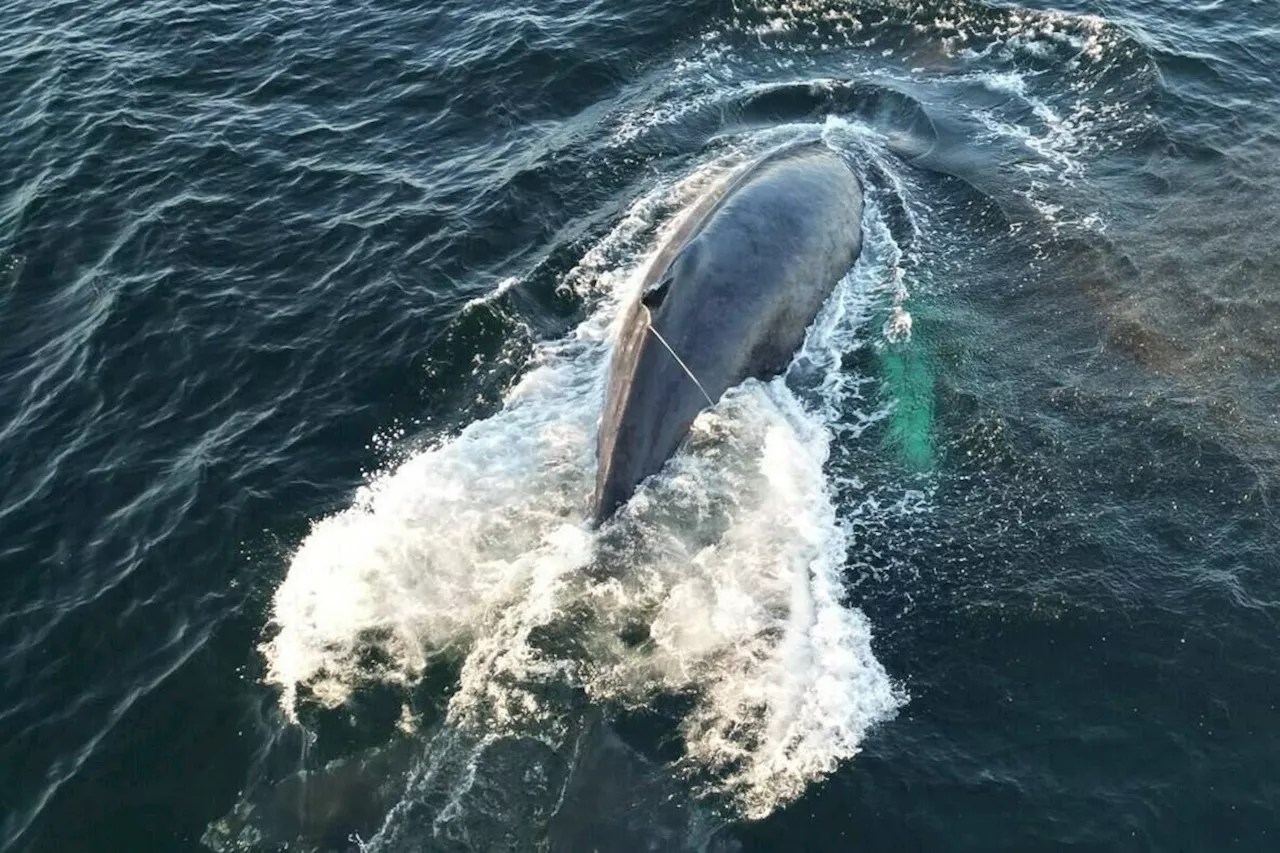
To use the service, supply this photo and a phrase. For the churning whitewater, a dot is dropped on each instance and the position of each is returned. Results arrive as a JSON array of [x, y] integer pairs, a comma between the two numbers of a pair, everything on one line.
[[730, 561]]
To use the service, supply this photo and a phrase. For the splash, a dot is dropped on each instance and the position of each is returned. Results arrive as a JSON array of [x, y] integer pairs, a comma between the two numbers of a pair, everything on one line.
[[431, 549], [728, 566], [749, 619]]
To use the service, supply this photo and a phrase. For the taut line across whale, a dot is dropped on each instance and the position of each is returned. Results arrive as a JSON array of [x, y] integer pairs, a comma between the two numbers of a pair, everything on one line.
[[728, 297]]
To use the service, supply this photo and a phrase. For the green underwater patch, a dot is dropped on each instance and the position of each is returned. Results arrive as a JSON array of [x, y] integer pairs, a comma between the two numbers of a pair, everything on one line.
[[907, 379]]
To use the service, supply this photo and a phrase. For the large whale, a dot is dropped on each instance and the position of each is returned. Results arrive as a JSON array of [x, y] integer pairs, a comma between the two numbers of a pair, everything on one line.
[[729, 296]]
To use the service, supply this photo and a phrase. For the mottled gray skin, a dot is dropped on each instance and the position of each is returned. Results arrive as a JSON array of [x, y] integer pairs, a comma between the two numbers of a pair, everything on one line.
[[733, 292]]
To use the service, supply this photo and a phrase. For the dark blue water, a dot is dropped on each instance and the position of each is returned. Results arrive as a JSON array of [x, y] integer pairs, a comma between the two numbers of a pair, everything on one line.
[[304, 310]]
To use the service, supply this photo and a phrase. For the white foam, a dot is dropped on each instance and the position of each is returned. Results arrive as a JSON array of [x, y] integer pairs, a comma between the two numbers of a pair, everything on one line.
[[751, 623], [428, 549], [731, 559]]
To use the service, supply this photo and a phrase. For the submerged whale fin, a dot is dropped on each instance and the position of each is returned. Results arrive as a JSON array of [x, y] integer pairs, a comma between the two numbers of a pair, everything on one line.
[[320, 810]]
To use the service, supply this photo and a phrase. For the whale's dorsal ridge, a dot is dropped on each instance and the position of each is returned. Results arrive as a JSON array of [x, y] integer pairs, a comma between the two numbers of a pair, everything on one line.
[[742, 309]]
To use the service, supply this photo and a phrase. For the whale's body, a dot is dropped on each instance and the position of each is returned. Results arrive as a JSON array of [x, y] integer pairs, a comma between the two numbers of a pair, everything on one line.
[[732, 294]]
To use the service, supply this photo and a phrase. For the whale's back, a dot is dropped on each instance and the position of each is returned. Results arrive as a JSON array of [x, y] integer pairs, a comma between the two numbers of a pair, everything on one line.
[[732, 293]]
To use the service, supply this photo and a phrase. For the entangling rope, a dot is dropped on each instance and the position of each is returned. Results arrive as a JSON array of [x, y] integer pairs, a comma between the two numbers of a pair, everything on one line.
[[684, 366]]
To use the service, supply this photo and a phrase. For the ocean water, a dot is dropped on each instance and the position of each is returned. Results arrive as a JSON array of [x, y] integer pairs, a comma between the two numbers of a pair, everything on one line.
[[304, 316]]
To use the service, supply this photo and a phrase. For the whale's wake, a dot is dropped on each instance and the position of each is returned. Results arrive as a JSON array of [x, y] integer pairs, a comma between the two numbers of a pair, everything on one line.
[[720, 583]]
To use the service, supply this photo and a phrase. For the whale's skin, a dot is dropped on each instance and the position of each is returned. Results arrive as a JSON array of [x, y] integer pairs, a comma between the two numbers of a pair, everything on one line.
[[733, 291]]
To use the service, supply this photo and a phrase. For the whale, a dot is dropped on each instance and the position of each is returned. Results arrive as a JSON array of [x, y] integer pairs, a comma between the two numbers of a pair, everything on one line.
[[729, 296]]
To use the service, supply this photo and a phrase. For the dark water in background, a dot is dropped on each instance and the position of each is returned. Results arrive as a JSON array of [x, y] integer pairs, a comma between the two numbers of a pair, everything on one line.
[[256, 255]]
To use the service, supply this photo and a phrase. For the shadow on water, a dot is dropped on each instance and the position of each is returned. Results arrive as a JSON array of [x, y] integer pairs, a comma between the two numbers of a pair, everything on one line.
[[584, 790]]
